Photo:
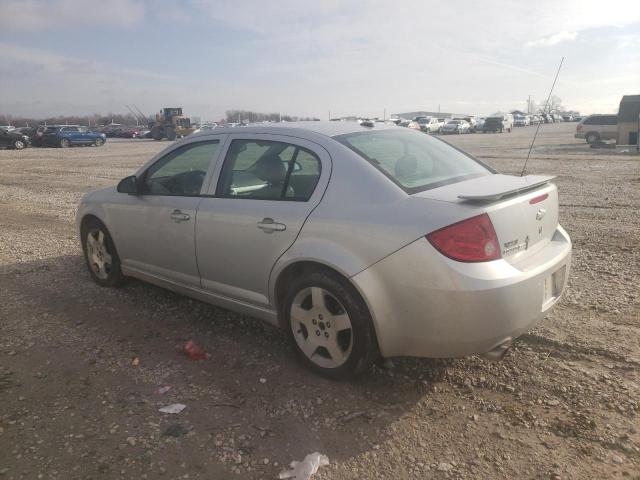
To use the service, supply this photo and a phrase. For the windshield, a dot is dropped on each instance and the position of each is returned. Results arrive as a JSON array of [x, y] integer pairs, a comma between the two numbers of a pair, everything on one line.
[[453, 122], [412, 160]]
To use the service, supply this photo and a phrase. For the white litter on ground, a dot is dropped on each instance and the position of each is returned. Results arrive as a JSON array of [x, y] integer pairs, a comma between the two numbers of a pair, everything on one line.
[[303, 470], [173, 408]]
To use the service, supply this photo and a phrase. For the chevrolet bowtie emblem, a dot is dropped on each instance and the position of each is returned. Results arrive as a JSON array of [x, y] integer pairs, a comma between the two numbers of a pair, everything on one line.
[[541, 213]]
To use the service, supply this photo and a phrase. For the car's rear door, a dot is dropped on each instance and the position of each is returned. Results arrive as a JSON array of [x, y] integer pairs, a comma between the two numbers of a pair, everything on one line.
[[266, 188], [154, 231]]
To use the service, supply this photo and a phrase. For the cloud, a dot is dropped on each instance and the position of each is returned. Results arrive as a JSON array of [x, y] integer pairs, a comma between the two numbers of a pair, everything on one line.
[[35, 15], [554, 39]]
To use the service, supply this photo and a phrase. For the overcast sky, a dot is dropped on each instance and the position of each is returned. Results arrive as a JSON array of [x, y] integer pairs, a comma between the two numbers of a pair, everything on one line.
[[310, 57]]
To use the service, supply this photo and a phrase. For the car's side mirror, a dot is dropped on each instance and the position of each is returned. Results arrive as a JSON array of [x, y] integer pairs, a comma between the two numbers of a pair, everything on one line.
[[129, 185]]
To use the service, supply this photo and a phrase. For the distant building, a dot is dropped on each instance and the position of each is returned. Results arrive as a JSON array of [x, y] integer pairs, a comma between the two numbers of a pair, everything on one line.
[[629, 120]]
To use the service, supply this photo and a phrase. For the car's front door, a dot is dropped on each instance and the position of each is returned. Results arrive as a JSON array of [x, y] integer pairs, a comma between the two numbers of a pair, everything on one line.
[[154, 231], [267, 187]]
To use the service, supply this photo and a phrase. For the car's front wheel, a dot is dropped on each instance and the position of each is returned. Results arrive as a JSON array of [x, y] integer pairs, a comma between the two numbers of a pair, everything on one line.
[[19, 144], [98, 142], [101, 255], [330, 325], [65, 143]]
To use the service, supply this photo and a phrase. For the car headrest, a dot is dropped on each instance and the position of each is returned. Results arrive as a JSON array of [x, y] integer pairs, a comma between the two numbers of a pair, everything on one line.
[[270, 169]]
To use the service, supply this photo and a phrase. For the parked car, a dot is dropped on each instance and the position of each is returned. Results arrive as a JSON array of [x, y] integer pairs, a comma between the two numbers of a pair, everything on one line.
[[127, 132], [480, 124], [428, 124], [206, 127], [567, 117], [498, 122], [143, 133], [471, 121], [534, 120], [455, 126], [414, 125], [521, 121], [7, 128], [464, 259], [595, 128], [13, 139], [69, 135]]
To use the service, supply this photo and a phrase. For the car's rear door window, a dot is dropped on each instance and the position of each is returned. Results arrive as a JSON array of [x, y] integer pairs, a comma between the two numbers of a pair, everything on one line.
[[268, 170], [181, 171], [414, 161]]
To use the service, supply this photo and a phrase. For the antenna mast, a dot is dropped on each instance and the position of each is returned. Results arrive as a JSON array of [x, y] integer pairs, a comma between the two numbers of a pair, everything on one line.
[[538, 127]]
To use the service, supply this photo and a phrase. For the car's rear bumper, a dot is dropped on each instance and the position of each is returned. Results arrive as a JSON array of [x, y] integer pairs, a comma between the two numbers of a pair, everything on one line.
[[424, 304]]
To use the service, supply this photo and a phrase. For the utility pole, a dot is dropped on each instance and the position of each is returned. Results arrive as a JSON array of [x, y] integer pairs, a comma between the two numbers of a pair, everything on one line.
[[329, 114], [384, 115]]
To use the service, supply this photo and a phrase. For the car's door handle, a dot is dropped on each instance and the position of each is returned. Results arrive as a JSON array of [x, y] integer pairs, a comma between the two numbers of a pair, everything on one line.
[[178, 216], [268, 225]]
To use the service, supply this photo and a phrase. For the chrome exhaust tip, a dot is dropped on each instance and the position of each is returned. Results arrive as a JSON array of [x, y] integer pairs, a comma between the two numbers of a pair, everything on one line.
[[497, 353]]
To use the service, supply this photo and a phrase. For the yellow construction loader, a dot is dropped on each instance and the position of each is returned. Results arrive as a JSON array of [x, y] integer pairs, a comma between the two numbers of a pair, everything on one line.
[[171, 124]]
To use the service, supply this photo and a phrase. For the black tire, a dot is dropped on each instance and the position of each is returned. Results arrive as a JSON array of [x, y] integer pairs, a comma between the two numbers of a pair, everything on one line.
[[592, 137], [115, 277], [157, 133], [364, 350], [171, 134], [19, 145], [98, 142], [65, 143]]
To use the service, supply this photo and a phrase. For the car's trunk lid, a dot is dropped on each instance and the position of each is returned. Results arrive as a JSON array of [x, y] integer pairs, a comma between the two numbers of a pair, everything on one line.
[[523, 210]]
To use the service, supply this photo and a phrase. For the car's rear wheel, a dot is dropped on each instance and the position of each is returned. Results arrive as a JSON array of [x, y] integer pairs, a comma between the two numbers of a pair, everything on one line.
[[19, 145], [64, 143], [330, 325], [98, 142], [592, 138], [101, 255]]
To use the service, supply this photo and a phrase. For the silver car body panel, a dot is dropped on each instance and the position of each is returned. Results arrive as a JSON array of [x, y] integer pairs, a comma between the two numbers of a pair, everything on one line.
[[425, 304], [226, 226], [360, 224]]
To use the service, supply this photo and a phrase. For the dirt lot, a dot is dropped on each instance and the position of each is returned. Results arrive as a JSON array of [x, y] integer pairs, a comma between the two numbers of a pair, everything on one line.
[[562, 404]]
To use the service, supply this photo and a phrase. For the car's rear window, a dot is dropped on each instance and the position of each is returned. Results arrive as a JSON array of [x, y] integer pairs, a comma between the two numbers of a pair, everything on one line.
[[412, 160]]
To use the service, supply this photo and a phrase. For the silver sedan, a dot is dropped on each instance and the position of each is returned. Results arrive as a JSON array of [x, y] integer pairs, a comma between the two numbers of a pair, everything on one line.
[[358, 241]]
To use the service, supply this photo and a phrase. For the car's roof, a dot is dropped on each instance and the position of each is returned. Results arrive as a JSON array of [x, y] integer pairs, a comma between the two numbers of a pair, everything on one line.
[[326, 128]]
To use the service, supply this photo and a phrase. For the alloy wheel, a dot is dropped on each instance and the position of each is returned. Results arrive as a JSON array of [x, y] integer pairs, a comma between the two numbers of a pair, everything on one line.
[[19, 144], [321, 327], [98, 255]]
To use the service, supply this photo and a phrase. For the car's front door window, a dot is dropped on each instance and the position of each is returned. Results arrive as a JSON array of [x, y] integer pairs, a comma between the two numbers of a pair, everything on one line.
[[181, 171]]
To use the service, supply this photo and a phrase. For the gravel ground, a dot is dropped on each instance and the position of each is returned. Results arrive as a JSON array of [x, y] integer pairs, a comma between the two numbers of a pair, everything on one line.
[[75, 404]]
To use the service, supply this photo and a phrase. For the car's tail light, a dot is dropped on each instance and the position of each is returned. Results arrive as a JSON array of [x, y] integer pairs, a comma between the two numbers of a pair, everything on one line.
[[472, 240], [579, 128]]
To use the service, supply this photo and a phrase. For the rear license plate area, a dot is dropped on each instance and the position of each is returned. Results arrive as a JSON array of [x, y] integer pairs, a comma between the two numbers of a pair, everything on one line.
[[552, 287]]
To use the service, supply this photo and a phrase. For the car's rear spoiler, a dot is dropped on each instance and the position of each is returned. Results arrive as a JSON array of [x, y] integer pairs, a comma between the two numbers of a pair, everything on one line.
[[496, 187]]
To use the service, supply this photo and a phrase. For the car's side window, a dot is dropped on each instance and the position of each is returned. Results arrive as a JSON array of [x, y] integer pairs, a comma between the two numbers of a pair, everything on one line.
[[181, 171], [304, 176], [267, 170]]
